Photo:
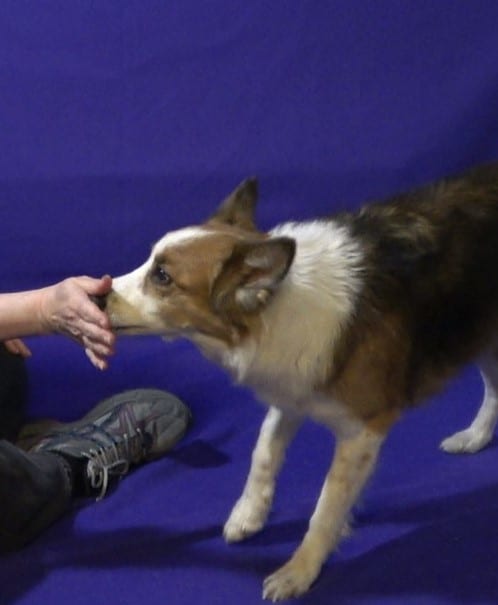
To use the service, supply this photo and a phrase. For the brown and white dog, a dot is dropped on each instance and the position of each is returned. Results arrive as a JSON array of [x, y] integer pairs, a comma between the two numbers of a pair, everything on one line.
[[348, 320]]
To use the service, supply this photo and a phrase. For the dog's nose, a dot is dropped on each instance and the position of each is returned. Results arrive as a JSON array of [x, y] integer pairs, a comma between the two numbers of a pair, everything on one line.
[[100, 301]]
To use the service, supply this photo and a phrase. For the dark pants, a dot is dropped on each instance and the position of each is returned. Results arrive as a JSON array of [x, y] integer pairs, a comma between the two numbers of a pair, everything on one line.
[[35, 489], [13, 393]]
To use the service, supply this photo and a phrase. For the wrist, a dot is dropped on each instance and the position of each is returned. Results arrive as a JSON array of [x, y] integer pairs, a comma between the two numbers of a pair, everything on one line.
[[41, 310]]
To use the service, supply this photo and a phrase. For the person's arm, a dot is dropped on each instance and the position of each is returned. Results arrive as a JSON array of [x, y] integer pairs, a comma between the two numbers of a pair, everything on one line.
[[20, 314], [64, 308]]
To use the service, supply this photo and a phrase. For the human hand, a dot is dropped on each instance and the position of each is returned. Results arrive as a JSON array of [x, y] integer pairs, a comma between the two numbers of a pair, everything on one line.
[[17, 347], [66, 308]]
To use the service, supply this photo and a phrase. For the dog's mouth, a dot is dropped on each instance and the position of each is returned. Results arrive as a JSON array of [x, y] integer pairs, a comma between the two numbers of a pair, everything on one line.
[[140, 330], [123, 326], [122, 329]]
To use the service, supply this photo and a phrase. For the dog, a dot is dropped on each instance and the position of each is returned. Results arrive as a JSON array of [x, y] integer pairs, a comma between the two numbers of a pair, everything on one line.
[[349, 320]]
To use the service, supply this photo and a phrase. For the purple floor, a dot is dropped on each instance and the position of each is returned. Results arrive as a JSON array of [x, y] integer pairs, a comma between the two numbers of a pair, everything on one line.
[[424, 532]]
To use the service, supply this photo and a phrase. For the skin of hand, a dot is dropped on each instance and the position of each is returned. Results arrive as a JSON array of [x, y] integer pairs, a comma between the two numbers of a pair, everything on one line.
[[65, 308], [17, 347]]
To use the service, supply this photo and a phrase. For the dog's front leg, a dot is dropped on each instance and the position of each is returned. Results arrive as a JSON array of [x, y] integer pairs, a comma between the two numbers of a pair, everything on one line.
[[251, 510], [352, 465]]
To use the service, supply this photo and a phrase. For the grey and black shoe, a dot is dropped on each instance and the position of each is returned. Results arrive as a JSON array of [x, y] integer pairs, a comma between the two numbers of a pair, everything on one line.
[[119, 433]]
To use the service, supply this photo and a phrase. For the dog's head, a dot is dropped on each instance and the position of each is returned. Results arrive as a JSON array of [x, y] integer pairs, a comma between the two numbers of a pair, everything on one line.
[[205, 282]]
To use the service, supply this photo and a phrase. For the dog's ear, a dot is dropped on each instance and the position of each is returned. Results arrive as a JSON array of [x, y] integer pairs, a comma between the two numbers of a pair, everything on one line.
[[238, 208], [251, 275]]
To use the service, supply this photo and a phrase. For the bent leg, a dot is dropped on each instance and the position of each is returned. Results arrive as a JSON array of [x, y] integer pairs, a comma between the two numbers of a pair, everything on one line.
[[251, 510], [353, 463], [480, 432]]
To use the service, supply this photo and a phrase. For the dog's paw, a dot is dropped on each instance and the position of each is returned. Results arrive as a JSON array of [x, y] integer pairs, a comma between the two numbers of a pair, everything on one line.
[[468, 441], [290, 581], [246, 519]]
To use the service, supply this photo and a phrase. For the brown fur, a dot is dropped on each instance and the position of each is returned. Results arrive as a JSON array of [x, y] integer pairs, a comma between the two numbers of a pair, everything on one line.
[[429, 303]]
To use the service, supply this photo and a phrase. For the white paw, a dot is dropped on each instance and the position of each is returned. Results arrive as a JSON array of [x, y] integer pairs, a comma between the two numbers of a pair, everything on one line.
[[465, 442], [246, 519], [290, 581]]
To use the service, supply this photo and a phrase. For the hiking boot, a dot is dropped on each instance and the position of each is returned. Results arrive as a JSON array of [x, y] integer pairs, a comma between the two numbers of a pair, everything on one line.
[[120, 432]]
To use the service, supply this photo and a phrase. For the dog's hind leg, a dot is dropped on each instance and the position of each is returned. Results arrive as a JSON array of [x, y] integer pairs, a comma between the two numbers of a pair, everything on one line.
[[353, 463], [480, 432], [251, 510]]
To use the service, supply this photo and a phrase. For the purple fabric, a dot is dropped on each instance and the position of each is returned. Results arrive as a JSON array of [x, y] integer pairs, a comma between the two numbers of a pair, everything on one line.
[[122, 120]]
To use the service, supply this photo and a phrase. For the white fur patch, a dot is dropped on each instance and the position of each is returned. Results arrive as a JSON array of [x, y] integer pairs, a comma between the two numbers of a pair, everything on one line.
[[304, 320], [130, 286], [182, 236], [327, 261]]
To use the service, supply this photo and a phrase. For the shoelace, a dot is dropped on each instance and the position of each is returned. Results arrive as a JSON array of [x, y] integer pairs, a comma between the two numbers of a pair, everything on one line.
[[114, 460]]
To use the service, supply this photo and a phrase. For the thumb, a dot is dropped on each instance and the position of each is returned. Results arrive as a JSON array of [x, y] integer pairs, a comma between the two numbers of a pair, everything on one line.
[[104, 285], [97, 287]]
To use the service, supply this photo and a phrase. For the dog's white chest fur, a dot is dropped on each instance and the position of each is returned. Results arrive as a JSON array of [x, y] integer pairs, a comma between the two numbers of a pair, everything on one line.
[[300, 327]]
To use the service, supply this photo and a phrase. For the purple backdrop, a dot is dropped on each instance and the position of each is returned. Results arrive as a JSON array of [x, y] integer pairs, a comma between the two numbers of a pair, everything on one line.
[[121, 120]]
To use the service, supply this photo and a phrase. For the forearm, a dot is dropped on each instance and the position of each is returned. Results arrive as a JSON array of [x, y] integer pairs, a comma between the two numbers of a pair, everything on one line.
[[20, 314]]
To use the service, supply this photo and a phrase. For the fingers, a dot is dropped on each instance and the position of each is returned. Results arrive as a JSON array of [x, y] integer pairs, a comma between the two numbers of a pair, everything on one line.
[[88, 312], [101, 345], [96, 336], [88, 286], [17, 347], [73, 313], [100, 363]]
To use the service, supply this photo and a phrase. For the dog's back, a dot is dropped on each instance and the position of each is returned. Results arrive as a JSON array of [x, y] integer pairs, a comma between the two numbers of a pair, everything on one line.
[[430, 270]]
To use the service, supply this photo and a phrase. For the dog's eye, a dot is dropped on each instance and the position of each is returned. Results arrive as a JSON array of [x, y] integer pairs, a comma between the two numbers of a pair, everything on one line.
[[160, 276]]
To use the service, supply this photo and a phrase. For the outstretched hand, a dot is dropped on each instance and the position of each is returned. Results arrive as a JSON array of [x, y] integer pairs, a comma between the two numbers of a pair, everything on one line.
[[65, 308]]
